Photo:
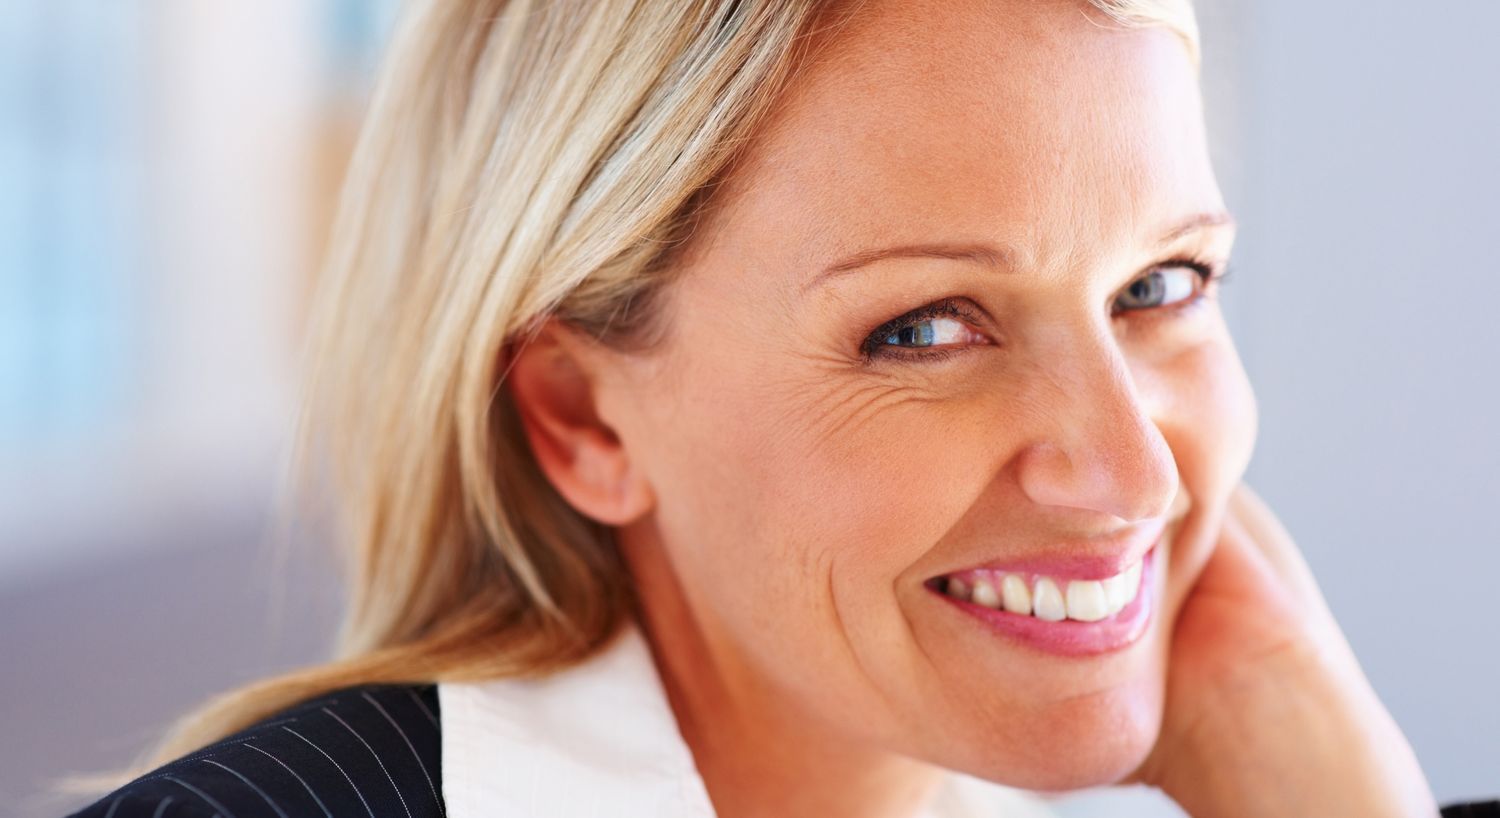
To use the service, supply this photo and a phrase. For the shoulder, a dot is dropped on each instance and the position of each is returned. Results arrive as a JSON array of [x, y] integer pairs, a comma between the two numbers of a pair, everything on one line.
[[369, 750], [1472, 809]]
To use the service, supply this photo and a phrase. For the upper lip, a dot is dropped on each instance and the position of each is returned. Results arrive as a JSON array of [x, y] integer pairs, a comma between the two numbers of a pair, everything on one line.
[[1099, 558]]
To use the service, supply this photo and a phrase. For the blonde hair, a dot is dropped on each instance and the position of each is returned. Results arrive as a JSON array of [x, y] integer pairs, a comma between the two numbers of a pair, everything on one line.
[[521, 159]]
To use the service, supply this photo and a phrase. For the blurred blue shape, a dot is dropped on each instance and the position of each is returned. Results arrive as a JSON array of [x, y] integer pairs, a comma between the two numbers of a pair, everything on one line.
[[70, 97], [355, 33]]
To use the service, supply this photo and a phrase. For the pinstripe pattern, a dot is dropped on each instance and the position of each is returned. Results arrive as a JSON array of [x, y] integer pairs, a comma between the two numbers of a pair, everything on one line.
[[299, 778], [371, 751], [207, 799], [418, 756], [251, 784], [376, 756], [336, 766]]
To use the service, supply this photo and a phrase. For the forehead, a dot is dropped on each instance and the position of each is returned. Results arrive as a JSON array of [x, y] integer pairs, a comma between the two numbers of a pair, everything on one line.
[[1038, 123]]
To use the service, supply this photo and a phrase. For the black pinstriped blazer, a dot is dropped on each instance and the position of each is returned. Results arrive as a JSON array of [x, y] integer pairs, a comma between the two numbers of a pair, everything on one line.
[[371, 751]]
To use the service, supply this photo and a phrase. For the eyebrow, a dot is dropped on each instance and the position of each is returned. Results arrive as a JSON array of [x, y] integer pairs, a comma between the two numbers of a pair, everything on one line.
[[990, 255]]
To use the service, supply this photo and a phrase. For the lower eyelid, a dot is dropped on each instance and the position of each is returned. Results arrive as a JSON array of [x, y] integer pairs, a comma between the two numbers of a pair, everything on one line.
[[915, 355], [1203, 296]]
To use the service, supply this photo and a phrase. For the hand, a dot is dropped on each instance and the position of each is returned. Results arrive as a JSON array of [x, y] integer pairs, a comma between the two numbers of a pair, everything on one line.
[[1267, 711]]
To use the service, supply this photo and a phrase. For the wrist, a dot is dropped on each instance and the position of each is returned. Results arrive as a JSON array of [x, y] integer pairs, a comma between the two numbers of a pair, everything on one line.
[[1296, 733]]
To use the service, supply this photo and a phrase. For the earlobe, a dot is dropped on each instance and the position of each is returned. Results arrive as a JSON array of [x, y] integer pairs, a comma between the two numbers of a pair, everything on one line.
[[553, 382]]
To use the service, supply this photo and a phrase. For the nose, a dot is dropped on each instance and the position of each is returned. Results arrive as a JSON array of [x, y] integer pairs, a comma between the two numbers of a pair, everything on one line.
[[1101, 450]]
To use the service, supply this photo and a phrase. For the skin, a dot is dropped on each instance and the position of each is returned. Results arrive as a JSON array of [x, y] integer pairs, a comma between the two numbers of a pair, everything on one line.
[[781, 501]]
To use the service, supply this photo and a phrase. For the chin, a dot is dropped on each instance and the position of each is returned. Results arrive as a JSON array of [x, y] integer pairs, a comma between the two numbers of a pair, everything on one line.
[[1092, 741]]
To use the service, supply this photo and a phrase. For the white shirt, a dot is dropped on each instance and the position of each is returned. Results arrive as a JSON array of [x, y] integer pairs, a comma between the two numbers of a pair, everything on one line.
[[599, 740]]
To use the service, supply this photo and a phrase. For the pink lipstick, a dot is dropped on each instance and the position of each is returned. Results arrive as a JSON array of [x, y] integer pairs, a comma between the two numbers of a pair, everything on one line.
[[1057, 613]]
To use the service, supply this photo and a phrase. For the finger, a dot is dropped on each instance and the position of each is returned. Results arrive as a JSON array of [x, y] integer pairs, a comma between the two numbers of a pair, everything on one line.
[[1283, 554], [1276, 543], [1238, 573], [1189, 548]]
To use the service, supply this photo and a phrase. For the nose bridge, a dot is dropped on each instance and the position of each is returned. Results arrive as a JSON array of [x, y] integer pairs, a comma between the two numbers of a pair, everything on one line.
[[1102, 449]]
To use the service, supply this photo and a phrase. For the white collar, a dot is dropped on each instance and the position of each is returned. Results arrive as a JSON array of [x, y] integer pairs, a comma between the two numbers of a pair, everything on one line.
[[600, 739]]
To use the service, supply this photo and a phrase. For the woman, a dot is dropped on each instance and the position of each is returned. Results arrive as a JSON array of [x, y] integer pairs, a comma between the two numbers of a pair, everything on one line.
[[792, 408]]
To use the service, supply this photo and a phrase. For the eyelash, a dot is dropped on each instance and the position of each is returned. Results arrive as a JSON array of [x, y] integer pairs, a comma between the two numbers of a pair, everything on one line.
[[874, 348]]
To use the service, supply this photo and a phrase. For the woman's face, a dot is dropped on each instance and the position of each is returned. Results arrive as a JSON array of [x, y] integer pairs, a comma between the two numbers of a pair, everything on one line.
[[950, 313]]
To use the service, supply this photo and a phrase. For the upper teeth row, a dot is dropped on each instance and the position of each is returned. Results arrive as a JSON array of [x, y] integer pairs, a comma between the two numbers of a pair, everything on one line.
[[1086, 600]]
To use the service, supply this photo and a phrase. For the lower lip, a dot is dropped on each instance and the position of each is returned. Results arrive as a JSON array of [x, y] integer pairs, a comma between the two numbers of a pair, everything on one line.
[[1071, 637]]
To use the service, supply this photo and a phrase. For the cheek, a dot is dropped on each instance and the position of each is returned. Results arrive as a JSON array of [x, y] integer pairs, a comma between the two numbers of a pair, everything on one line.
[[801, 503], [1209, 418], [1210, 422], [821, 467]]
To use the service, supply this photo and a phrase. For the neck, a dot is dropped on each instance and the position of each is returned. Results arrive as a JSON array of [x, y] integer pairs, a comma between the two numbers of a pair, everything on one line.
[[757, 752]]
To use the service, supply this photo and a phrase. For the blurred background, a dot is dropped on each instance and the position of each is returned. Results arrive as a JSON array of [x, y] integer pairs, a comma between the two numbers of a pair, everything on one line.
[[167, 171]]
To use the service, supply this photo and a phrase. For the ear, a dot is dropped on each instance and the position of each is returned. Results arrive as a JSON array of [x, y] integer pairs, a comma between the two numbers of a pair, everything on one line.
[[553, 380]]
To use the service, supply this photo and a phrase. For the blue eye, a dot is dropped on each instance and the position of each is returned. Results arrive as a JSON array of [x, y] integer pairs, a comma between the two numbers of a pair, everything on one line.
[[931, 332], [1164, 286], [928, 332]]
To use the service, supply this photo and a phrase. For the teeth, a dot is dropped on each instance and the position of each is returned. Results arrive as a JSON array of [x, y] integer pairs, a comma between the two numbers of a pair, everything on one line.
[[1049, 601], [1116, 592], [985, 594], [1086, 600], [1046, 598], [957, 588], [1017, 595]]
